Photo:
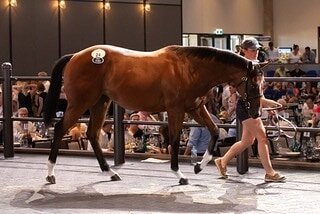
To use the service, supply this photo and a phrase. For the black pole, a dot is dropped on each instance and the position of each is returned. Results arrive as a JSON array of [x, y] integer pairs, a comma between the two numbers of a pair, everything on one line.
[[104, 22], [243, 157], [119, 144], [10, 33], [144, 26], [7, 111], [59, 30]]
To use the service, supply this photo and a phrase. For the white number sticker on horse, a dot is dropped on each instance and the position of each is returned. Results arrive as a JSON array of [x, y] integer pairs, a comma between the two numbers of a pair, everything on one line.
[[97, 56]]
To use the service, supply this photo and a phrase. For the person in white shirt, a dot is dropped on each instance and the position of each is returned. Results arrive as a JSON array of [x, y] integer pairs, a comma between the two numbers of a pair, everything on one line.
[[273, 53], [24, 131], [295, 56], [105, 138]]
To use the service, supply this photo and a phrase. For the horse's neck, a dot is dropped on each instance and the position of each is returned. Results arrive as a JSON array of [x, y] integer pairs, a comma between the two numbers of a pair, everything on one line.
[[216, 74]]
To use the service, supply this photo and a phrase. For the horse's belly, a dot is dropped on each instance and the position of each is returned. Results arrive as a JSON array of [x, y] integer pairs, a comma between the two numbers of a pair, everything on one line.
[[139, 102]]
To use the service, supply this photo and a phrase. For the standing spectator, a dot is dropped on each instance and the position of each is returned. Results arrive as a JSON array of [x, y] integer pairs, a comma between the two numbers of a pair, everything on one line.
[[238, 49], [199, 138], [38, 100], [262, 54], [24, 98], [46, 83], [308, 56], [273, 53]]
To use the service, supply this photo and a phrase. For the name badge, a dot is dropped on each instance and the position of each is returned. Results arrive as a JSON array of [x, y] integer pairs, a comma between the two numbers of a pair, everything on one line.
[[97, 56]]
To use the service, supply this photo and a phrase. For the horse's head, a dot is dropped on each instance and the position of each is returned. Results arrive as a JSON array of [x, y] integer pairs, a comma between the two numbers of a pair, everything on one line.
[[250, 88]]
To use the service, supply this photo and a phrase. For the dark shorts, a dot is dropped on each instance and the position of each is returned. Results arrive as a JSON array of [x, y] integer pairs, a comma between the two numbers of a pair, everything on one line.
[[241, 111]]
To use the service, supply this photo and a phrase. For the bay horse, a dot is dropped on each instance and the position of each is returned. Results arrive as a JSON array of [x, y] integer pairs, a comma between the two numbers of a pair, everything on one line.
[[173, 79]]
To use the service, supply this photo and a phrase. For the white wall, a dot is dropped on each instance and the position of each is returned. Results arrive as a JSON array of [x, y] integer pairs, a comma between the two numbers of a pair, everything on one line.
[[296, 22], [233, 16]]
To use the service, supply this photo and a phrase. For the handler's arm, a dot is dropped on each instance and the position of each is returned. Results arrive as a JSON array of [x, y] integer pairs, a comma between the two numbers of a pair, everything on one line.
[[267, 103]]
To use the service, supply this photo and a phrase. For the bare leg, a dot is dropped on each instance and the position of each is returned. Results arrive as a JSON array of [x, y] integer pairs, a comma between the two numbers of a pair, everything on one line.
[[252, 128]]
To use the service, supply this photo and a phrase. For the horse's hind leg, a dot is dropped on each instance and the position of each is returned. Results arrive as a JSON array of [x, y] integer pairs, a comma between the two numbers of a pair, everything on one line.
[[175, 119], [70, 117], [202, 116], [97, 116]]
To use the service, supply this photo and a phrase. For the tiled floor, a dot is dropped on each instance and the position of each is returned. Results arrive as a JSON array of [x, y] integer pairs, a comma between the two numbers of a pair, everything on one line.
[[149, 188]]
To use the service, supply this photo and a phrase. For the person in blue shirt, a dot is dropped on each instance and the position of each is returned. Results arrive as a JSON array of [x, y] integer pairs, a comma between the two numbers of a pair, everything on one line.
[[199, 138]]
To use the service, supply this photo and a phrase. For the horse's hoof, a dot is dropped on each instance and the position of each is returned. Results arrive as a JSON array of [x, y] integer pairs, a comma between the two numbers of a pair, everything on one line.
[[51, 179], [183, 181], [116, 177], [197, 168]]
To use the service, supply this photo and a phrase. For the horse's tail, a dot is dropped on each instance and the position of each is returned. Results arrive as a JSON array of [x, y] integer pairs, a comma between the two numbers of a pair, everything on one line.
[[51, 101]]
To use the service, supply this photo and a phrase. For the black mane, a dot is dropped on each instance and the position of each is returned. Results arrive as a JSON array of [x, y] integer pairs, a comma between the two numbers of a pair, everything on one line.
[[209, 53]]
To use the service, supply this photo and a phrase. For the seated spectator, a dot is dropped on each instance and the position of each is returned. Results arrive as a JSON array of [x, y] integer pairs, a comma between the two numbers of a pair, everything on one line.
[[316, 114], [295, 90], [309, 90], [146, 116], [281, 71], [78, 131], [290, 97], [24, 131], [134, 129], [308, 56], [308, 110], [279, 91], [296, 72], [268, 91], [105, 138], [295, 55]]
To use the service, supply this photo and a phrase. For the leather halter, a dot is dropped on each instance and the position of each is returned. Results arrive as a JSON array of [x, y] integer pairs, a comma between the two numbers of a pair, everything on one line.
[[245, 97]]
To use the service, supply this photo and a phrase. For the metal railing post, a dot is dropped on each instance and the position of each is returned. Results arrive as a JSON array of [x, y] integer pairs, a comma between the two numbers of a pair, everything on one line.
[[243, 157], [119, 144], [7, 111]]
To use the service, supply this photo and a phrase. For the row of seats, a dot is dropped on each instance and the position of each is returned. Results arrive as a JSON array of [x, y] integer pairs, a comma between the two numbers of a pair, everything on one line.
[[310, 73]]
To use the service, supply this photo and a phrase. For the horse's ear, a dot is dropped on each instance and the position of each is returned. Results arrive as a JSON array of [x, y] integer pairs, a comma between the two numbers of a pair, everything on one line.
[[263, 64]]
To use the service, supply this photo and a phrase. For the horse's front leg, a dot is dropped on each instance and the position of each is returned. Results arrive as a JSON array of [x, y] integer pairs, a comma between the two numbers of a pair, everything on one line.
[[202, 116], [175, 120]]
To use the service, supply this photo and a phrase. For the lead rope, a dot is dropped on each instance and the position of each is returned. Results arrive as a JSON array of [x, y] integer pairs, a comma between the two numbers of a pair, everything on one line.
[[276, 121]]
